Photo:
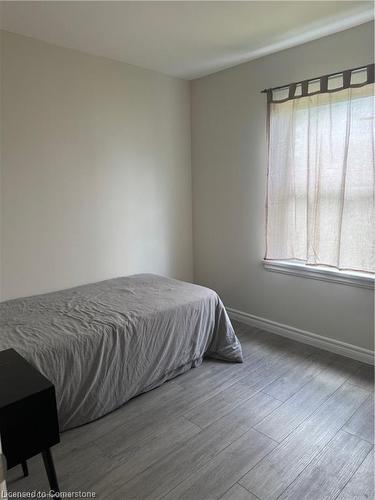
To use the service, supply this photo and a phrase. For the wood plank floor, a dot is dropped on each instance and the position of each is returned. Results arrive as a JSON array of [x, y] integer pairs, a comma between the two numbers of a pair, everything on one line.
[[291, 422]]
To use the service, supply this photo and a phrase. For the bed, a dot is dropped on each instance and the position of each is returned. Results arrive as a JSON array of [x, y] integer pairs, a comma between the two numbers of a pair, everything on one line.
[[104, 343]]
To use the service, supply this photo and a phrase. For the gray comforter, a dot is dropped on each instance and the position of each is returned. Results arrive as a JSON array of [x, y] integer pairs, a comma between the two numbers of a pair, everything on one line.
[[104, 343]]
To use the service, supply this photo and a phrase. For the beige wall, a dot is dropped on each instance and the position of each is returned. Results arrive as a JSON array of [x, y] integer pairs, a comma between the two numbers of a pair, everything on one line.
[[96, 176], [229, 181]]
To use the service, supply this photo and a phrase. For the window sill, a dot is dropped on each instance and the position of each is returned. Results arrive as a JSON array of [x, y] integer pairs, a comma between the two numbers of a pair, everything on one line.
[[362, 280]]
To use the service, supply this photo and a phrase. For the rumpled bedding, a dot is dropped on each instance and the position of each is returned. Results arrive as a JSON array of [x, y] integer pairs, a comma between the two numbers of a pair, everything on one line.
[[104, 343]]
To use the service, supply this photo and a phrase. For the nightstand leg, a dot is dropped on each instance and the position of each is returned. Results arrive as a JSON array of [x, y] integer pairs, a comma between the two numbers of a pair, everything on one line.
[[50, 469], [25, 469]]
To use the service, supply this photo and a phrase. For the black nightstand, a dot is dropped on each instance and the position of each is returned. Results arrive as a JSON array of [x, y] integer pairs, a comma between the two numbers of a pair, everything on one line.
[[28, 414]]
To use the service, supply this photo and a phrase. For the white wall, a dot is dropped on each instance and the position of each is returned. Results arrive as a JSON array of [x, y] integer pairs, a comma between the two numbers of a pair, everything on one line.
[[1, 80], [229, 186], [96, 177]]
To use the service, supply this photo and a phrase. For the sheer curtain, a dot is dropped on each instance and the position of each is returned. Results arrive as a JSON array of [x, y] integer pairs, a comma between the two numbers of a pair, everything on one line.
[[321, 177]]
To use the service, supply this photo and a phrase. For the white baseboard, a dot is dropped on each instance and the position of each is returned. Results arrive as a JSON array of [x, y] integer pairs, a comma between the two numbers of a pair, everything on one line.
[[326, 343]]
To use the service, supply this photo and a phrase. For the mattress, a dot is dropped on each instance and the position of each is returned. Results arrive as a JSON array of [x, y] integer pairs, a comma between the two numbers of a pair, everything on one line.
[[104, 343]]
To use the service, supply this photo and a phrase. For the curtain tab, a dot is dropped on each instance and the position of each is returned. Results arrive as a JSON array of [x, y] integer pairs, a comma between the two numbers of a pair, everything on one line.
[[346, 79], [292, 90], [370, 73], [324, 84], [305, 87]]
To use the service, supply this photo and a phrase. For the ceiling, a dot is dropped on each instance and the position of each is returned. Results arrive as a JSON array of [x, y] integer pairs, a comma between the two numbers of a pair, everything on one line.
[[183, 39]]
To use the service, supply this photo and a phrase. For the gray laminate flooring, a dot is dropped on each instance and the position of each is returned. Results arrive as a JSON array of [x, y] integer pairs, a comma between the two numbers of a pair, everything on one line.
[[291, 422]]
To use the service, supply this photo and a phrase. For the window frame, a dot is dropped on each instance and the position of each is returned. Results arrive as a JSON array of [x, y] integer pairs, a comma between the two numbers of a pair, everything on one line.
[[321, 273]]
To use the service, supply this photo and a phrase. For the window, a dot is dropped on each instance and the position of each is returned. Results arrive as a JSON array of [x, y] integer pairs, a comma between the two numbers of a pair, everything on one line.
[[321, 172]]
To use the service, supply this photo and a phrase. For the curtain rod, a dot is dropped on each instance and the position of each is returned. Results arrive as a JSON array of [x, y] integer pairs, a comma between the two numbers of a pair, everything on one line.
[[264, 91]]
